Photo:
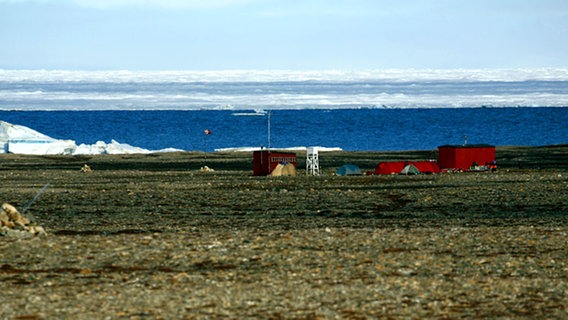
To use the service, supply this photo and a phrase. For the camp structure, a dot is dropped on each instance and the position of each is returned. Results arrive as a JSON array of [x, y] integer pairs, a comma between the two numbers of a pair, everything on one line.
[[467, 157], [426, 166], [409, 169], [348, 170], [389, 167], [284, 169], [265, 161], [397, 167]]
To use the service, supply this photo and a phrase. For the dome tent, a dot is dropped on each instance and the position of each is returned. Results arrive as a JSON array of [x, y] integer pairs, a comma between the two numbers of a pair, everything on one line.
[[396, 167], [348, 170], [409, 169], [389, 167], [284, 169]]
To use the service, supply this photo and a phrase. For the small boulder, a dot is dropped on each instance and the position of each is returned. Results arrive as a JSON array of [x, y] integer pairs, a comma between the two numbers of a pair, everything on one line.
[[13, 223]]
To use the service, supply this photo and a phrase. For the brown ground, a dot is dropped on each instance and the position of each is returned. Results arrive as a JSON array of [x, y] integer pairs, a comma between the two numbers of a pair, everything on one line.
[[152, 237]]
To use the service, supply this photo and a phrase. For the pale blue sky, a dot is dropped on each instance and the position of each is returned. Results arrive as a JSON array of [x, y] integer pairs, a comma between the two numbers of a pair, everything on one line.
[[282, 34]]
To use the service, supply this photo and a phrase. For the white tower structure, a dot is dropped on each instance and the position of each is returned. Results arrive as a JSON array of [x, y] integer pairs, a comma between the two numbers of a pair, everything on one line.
[[312, 161]]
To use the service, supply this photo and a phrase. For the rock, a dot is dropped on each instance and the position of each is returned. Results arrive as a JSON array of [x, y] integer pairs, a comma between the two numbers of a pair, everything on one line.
[[13, 223], [11, 217]]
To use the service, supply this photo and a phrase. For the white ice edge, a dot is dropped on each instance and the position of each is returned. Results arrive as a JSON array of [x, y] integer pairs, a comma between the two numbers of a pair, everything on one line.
[[390, 75]]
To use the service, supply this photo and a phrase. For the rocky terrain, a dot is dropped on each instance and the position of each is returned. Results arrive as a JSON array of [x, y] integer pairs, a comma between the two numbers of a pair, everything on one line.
[[154, 237]]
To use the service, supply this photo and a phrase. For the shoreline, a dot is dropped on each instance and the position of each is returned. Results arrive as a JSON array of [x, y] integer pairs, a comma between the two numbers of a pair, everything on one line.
[[508, 157]]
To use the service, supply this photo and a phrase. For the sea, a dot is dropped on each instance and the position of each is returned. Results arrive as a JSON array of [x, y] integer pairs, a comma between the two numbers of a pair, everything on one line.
[[372, 110]]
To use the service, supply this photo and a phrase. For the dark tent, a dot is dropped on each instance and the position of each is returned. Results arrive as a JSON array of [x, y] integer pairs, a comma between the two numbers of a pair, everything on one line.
[[348, 170]]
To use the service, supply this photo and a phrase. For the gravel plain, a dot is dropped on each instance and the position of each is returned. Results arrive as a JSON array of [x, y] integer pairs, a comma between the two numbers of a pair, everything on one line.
[[153, 237]]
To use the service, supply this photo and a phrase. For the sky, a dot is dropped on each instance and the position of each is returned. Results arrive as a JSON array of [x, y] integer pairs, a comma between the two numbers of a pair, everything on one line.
[[282, 34]]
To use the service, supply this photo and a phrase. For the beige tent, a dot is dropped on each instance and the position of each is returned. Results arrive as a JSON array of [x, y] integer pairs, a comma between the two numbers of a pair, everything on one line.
[[284, 169]]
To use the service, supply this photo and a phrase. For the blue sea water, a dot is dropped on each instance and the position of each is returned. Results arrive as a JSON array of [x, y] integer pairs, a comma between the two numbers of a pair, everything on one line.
[[373, 110], [349, 129]]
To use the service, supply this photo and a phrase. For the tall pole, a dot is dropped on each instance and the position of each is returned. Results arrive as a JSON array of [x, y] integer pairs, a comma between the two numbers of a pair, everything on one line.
[[269, 130], [206, 132], [205, 148]]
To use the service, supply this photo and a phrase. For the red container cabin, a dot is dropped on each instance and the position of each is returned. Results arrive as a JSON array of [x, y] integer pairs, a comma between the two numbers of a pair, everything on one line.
[[264, 161], [457, 157]]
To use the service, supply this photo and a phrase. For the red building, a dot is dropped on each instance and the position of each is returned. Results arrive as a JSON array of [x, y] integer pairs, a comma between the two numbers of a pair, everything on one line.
[[265, 161], [459, 157]]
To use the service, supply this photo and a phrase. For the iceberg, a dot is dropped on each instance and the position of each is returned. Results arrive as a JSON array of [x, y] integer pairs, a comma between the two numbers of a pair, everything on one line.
[[40, 147], [23, 140]]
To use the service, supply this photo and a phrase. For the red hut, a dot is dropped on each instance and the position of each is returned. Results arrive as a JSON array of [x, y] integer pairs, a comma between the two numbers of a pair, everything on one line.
[[457, 157], [265, 161]]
